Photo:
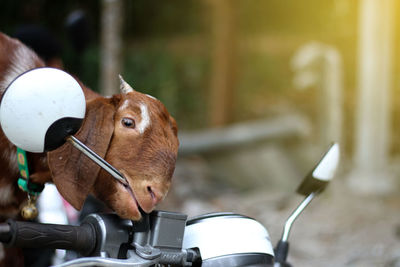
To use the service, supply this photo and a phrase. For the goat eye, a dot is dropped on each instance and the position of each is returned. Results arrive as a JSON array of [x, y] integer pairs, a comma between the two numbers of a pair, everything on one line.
[[129, 123]]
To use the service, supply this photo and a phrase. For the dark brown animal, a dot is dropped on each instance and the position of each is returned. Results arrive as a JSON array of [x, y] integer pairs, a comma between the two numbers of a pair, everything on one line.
[[132, 131]]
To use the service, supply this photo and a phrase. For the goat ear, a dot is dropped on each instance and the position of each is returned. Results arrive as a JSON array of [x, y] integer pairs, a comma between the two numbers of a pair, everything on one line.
[[72, 172]]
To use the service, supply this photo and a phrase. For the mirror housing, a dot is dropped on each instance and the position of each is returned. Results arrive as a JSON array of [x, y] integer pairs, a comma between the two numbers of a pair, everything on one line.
[[317, 180], [40, 108]]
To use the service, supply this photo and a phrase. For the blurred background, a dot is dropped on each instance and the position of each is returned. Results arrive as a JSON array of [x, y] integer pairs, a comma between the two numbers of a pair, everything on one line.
[[259, 90]]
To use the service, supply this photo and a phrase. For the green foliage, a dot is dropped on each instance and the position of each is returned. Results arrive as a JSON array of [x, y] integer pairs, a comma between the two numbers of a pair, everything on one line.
[[260, 81], [150, 18], [178, 81], [158, 59]]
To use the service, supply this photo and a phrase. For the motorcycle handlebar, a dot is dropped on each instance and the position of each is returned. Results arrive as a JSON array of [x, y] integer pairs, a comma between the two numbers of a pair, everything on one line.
[[32, 235], [157, 243]]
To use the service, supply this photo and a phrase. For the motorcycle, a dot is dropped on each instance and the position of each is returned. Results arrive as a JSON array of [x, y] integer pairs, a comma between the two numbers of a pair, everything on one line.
[[161, 238]]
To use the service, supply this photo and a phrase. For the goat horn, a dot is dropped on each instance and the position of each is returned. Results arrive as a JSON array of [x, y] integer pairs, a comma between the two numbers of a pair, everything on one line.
[[124, 86]]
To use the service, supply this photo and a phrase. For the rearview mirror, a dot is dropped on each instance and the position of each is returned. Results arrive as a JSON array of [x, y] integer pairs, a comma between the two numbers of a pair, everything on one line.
[[322, 174], [313, 184], [40, 108]]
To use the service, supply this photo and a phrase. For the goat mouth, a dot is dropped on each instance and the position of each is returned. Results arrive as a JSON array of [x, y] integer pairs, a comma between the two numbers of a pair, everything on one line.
[[128, 188]]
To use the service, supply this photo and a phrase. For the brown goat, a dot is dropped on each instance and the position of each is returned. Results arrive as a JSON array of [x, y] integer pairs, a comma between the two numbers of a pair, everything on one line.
[[132, 131]]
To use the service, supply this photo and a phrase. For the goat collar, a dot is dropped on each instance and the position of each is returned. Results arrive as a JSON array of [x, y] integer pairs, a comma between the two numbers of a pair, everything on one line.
[[24, 183]]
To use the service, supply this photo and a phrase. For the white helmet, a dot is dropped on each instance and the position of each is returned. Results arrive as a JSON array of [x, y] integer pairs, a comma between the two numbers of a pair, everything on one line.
[[40, 108]]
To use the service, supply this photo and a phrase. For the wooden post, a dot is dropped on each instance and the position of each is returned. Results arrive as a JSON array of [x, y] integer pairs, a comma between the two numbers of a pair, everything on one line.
[[111, 45], [223, 63], [372, 133]]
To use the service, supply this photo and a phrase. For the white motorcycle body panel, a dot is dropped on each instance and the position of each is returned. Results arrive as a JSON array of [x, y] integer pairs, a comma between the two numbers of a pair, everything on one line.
[[226, 235]]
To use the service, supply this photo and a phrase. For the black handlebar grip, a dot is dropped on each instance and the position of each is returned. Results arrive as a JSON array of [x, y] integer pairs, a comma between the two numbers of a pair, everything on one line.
[[39, 235], [5, 233]]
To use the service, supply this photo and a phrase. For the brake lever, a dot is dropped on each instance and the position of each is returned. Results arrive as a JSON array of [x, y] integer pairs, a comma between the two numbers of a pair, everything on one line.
[[132, 261]]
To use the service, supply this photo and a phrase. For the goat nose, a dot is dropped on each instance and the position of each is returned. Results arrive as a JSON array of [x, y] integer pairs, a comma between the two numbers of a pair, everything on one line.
[[156, 197]]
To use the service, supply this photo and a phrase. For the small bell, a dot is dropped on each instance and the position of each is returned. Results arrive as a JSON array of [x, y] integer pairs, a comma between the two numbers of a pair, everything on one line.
[[30, 211]]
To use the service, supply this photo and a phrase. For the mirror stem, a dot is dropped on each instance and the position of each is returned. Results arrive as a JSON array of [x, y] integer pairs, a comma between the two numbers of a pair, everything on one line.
[[282, 248], [97, 159], [295, 214]]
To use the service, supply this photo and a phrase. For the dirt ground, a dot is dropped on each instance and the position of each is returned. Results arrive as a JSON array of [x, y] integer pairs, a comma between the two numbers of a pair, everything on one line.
[[339, 228]]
